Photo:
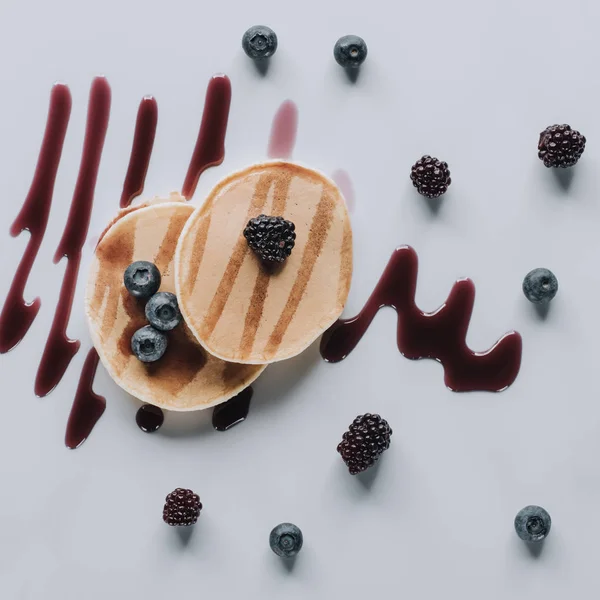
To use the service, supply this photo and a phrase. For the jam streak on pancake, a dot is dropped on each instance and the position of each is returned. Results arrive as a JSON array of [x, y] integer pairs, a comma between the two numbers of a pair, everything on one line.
[[17, 315], [440, 335]]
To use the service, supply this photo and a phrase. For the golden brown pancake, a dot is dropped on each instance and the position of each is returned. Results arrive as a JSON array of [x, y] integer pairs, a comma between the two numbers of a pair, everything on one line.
[[236, 308], [186, 377]]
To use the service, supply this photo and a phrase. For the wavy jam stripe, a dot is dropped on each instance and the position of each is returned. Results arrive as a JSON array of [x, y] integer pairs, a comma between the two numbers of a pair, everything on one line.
[[141, 150], [215, 310], [59, 349], [210, 144], [198, 253], [440, 335], [319, 230], [261, 284], [87, 407], [17, 315]]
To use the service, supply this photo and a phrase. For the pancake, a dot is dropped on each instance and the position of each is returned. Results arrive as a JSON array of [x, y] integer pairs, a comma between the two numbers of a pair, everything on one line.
[[236, 308], [186, 377]]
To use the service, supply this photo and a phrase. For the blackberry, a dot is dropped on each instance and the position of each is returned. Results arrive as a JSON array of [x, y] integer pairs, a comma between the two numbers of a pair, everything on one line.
[[560, 146], [364, 442], [272, 238], [430, 176], [182, 507]]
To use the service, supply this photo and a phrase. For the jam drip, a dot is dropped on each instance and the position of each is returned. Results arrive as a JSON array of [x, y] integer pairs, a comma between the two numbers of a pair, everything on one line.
[[87, 407], [59, 349], [17, 315], [141, 150], [210, 145], [149, 418], [440, 335], [232, 412]]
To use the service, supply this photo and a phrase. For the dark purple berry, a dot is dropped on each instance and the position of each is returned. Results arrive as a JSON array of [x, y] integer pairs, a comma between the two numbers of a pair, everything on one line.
[[560, 146], [182, 507], [364, 442], [430, 176], [272, 238]]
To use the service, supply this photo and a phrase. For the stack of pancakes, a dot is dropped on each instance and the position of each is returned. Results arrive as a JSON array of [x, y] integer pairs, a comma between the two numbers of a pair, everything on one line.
[[239, 316]]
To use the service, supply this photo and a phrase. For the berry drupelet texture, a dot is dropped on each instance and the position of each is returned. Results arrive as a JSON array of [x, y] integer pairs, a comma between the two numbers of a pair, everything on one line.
[[272, 238], [259, 42], [364, 442], [532, 524], [560, 146], [182, 507], [430, 176]]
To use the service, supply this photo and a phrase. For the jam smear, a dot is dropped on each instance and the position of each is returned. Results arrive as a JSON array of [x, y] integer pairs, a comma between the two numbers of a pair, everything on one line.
[[17, 315], [232, 412], [141, 150], [210, 144], [87, 407], [149, 418], [59, 349], [283, 131], [440, 335]]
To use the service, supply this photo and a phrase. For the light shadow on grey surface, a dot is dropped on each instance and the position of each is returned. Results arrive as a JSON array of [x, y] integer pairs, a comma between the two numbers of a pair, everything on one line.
[[367, 478], [433, 204], [280, 378], [184, 424], [262, 66], [541, 310], [185, 534], [564, 177], [287, 565], [535, 549], [352, 74]]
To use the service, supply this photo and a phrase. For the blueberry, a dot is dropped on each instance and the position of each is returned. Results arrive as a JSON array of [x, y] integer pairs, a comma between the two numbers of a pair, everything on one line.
[[350, 51], [532, 524], [148, 344], [259, 42], [142, 279], [540, 285], [286, 540], [162, 311]]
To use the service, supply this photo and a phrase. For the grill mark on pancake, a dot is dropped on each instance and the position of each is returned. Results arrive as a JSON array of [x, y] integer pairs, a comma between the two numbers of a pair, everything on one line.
[[261, 284], [119, 252], [134, 309], [197, 254], [319, 230], [164, 257], [182, 361], [215, 310], [346, 264]]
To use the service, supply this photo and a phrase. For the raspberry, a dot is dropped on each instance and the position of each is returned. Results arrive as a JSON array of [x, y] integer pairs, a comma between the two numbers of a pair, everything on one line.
[[364, 442], [182, 507], [272, 238]]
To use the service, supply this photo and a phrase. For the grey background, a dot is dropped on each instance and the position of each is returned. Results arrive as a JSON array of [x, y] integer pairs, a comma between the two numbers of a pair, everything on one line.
[[470, 81]]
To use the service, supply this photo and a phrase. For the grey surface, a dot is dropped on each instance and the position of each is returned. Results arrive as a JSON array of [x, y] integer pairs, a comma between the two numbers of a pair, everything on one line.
[[472, 82]]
